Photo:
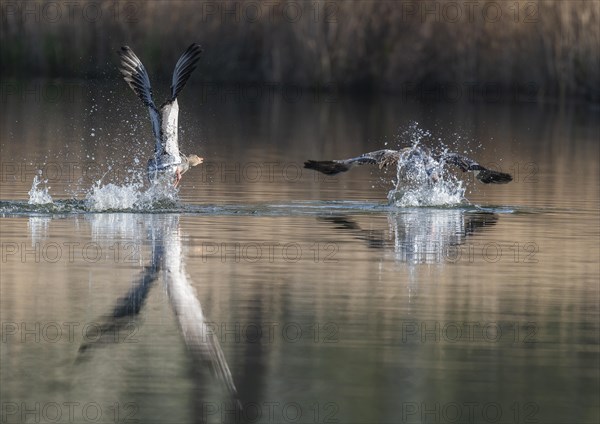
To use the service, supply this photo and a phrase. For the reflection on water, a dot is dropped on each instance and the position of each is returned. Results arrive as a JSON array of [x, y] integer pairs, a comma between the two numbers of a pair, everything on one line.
[[295, 294], [165, 239], [422, 235], [386, 312]]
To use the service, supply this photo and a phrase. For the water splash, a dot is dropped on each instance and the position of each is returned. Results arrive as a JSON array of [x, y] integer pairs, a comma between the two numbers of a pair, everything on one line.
[[39, 196], [422, 180], [112, 197], [130, 196]]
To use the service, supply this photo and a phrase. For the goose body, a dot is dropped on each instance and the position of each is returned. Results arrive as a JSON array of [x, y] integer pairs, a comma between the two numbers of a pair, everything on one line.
[[167, 159]]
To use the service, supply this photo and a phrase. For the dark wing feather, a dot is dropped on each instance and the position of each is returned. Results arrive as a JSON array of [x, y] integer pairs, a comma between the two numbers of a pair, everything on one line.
[[463, 162], [382, 158], [184, 68], [486, 176], [137, 78]]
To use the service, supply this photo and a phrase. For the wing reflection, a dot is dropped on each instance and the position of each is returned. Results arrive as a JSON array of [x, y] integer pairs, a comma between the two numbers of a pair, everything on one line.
[[420, 235], [201, 342], [203, 345], [125, 310], [375, 239]]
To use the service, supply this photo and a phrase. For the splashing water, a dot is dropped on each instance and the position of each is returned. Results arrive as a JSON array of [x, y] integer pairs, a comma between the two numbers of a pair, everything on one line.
[[39, 196], [421, 180], [130, 196], [113, 197]]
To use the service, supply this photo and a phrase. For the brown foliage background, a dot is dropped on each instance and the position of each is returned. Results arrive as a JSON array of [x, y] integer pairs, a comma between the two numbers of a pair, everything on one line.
[[358, 45]]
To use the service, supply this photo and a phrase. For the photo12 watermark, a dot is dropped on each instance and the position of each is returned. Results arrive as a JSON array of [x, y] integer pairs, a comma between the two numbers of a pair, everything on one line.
[[469, 412], [524, 252], [271, 412], [70, 11], [66, 332], [69, 412], [48, 92], [265, 333], [269, 252], [70, 252], [271, 11], [468, 11], [422, 332], [52, 172]]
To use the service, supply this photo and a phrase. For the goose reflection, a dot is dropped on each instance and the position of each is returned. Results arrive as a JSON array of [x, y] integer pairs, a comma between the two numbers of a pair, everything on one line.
[[420, 235], [167, 261]]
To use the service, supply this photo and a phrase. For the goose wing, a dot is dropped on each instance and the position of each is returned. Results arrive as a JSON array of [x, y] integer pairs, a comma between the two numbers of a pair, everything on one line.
[[137, 78], [486, 176], [382, 158], [184, 68], [170, 110]]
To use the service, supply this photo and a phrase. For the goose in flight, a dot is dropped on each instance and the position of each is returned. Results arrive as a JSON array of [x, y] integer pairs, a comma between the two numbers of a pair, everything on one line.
[[167, 160], [384, 158]]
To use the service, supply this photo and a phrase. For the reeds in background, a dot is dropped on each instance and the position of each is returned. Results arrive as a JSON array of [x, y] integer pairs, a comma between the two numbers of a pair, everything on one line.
[[550, 46]]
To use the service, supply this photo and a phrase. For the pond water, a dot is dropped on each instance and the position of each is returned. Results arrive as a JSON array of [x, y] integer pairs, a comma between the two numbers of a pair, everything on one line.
[[263, 292]]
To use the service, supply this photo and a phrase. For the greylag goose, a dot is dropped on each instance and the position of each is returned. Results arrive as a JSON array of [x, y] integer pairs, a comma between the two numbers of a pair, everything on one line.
[[167, 160], [384, 158]]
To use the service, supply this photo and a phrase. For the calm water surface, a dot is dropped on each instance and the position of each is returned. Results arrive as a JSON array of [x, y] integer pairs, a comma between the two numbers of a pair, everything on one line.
[[268, 294]]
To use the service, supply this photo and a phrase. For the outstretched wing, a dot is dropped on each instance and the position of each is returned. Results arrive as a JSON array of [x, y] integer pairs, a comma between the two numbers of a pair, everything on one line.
[[184, 68], [137, 78], [382, 158], [483, 174], [170, 110]]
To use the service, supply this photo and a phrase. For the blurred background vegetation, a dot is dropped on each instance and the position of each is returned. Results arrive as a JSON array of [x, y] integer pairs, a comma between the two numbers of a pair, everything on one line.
[[357, 45]]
